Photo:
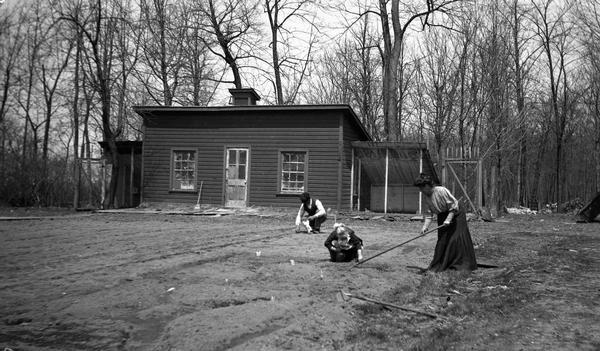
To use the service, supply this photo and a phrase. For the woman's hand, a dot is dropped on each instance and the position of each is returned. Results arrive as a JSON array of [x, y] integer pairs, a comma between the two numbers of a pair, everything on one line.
[[448, 219], [426, 225]]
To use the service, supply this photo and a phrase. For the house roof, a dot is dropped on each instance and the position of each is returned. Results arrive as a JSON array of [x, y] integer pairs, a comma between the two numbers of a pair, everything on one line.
[[147, 111], [124, 146]]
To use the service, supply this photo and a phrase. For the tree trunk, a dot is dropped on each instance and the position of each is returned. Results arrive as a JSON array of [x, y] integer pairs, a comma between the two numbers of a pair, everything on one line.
[[76, 165], [276, 68], [597, 178], [85, 146], [224, 44], [391, 58], [537, 171], [5, 89], [3, 160], [273, 14], [493, 201], [161, 14], [110, 139], [392, 55], [24, 155], [597, 138], [522, 161]]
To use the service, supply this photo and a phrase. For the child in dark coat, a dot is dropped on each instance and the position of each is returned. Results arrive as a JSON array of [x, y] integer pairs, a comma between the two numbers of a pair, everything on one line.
[[343, 244]]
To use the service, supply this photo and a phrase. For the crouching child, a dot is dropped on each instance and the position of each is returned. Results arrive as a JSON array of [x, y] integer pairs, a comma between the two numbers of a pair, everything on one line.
[[343, 244]]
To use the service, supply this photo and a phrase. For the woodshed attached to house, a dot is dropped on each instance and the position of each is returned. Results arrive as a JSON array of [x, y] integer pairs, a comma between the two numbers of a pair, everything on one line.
[[248, 154]]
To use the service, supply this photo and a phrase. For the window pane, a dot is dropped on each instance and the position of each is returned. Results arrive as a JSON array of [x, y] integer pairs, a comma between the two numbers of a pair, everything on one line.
[[292, 172], [184, 169], [232, 172], [242, 157]]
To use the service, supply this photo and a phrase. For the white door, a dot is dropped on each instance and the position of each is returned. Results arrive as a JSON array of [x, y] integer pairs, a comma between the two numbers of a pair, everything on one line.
[[236, 175]]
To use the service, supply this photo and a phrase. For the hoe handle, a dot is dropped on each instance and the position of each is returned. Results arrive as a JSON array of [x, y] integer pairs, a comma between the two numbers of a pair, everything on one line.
[[396, 246]]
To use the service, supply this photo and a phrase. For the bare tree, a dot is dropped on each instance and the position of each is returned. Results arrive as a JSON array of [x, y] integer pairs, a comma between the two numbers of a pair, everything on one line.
[[99, 27], [60, 50], [365, 82], [198, 86], [227, 31], [127, 36], [282, 13], [553, 34], [588, 16], [332, 74], [77, 38], [522, 57], [439, 76], [11, 44], [161, 44], [394, 31], [36, 32], [350, 74]]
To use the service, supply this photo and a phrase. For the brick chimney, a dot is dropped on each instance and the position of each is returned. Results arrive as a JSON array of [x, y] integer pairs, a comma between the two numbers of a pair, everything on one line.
[[243, 97]]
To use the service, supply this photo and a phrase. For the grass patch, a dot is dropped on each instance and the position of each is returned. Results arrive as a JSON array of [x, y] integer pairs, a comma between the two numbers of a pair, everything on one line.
[[383, 267], [370, 334], [477, 307], [437, 339]]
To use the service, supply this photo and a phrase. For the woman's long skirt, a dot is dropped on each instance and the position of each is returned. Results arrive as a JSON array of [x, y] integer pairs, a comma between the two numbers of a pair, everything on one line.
[[454, 248]]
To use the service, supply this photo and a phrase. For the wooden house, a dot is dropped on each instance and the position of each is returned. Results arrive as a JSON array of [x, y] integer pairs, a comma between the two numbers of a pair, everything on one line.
[[247, 154]]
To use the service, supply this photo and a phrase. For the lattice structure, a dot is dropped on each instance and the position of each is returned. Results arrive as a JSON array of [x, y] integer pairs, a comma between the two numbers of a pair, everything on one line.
[[463, 176]]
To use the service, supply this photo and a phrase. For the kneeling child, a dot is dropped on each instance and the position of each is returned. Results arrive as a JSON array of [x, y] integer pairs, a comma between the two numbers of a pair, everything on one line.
[[343, 244]]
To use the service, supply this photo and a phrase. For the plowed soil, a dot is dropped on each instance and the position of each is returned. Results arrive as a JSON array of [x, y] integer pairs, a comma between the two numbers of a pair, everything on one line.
[[249, 282]]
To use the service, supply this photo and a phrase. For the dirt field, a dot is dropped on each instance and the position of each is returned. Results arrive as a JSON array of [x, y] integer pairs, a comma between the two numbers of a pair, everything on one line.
[[168, 282]]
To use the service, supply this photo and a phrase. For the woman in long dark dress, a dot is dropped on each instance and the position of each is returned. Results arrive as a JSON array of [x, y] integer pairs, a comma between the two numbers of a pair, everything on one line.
[[454, 248]]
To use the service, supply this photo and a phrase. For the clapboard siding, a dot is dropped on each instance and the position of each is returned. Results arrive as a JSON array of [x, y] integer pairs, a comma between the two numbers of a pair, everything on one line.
[[265, 133], [264, 147]]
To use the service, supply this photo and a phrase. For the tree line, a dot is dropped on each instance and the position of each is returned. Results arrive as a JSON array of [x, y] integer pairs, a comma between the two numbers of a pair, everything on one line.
[[514, 83]]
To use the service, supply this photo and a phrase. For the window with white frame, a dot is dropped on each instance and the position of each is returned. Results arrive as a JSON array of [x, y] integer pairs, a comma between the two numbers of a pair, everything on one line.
[[183, 170], [292, 171]]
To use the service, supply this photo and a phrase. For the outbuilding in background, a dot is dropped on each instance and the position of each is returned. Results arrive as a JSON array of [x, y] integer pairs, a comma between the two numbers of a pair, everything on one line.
[[384, 175]]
